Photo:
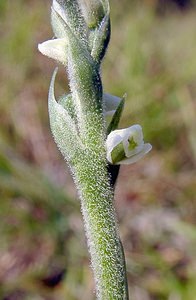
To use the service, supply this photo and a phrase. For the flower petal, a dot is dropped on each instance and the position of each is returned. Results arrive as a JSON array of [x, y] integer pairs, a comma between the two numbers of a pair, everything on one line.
[[56, 49], [132, 159]]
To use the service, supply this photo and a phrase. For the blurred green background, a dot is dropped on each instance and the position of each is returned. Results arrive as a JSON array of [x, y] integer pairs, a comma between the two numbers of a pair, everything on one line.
[[152, 58]]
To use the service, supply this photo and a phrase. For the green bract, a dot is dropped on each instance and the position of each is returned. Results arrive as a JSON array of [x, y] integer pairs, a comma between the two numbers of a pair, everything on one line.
[[63, 127]]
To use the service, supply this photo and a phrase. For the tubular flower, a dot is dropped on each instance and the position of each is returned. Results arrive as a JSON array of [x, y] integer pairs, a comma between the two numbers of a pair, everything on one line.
[[126, 146]]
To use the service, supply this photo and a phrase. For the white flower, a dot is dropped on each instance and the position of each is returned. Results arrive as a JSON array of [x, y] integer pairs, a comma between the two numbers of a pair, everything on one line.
[[126, 146], [56, 49]]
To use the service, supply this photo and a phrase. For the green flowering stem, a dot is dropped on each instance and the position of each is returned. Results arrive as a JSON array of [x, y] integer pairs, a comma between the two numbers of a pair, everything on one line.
[[78, 122], [89, 168], [101, 230]]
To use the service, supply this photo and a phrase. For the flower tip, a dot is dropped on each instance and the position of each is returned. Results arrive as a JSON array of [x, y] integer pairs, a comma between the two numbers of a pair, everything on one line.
[[42, 48], [39, 46]]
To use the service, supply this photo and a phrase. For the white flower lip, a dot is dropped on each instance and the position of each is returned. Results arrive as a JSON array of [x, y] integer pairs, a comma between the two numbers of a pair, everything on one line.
[[133, 147], [56, 49]]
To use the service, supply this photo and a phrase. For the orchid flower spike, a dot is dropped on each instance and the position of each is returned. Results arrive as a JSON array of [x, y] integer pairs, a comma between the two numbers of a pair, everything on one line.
[[126, 146]]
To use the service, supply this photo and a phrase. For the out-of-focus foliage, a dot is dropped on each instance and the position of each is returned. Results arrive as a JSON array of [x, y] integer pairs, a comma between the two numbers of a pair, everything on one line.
[[151, 57]]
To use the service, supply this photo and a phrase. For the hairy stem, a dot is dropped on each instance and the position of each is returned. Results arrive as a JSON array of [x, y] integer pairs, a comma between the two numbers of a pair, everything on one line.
[[101, 229]]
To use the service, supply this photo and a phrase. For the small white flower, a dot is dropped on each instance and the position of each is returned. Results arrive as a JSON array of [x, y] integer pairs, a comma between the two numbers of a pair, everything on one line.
[[56, 49], [126, 146]]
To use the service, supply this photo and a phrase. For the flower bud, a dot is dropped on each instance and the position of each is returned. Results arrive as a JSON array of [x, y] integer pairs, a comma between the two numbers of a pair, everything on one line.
[[93, 12], [126, 146]]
